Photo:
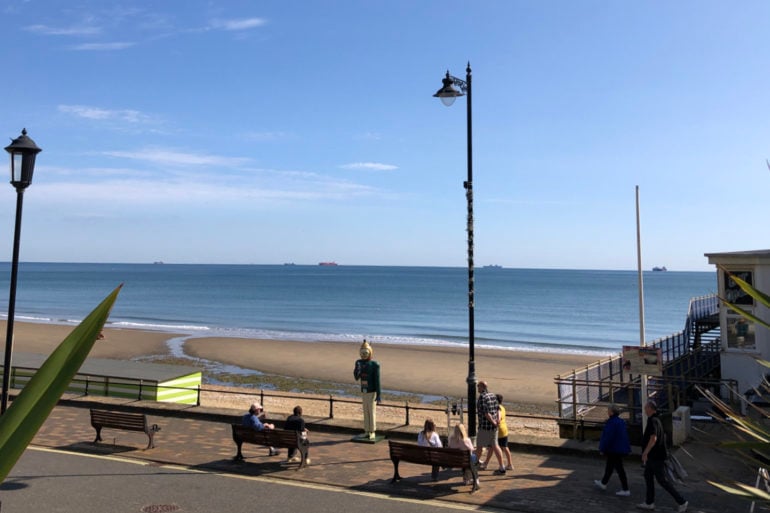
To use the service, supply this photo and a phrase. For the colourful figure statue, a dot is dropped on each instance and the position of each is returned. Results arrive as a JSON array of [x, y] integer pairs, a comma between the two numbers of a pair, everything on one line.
[[367, 371]]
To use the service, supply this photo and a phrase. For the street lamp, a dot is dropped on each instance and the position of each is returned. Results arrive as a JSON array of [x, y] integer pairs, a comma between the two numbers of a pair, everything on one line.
[[23, 151], [448, 94]]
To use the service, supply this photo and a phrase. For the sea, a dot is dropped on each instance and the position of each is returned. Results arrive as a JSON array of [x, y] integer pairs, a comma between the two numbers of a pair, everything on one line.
[[549, 310]]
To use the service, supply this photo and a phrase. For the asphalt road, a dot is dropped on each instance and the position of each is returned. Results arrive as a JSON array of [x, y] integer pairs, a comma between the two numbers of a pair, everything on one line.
[[53, 481]]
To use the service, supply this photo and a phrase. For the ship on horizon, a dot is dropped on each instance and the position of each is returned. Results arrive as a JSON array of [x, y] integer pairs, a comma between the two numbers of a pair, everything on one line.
[[327, 264]]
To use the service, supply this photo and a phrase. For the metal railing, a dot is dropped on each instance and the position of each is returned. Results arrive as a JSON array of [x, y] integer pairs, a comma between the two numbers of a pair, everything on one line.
[[606, 380], [141, 390]]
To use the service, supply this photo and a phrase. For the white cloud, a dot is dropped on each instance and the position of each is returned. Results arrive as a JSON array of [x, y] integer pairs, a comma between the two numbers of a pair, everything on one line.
[[370, 166], [97, 113], [189, 190], [102, 46], [83, 30], [171, 157], [238, 24]]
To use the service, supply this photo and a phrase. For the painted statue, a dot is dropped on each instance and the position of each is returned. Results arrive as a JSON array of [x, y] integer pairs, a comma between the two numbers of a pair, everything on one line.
[[367, 372]]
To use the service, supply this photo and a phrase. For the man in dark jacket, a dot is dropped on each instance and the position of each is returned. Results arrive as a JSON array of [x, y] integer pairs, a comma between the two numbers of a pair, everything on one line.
[[654, 456], [295, 422], [614, 444]]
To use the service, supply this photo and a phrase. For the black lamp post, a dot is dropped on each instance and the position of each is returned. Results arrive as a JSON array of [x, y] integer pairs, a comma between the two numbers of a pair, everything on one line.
[[448, 94], [23, 151]]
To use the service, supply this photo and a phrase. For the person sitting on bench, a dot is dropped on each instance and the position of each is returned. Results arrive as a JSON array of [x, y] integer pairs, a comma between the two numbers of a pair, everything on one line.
[[252, 420], [295, 422]]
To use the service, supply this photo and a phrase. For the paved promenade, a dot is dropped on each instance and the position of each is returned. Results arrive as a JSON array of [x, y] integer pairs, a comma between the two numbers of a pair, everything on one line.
[[555, 477]]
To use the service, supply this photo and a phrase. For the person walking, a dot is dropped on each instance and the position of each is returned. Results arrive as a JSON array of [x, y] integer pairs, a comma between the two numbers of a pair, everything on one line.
[[614, 444], [502, 437], [489, 417], [654, 457]]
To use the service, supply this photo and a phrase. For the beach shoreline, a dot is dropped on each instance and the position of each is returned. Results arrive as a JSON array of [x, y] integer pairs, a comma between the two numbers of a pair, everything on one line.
[[524, 378]]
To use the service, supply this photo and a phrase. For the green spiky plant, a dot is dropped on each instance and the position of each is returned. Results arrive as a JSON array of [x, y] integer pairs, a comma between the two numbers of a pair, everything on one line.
[[22, 420], [754, 435]]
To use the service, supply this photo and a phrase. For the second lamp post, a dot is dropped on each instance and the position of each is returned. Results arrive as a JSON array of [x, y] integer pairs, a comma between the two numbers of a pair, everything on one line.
[[448, 94], [23, 151]]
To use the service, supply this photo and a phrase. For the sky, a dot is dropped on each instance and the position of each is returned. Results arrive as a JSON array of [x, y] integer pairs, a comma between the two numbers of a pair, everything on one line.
[[266, 132]]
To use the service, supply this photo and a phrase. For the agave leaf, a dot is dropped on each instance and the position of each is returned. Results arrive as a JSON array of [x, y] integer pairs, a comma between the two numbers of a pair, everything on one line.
[[22, 420], [744, 313], [743, 490], [730, 489], [748, 289]]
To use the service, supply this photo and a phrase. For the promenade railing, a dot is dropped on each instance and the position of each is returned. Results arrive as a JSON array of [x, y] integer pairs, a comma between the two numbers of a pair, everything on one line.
[[607, 381]]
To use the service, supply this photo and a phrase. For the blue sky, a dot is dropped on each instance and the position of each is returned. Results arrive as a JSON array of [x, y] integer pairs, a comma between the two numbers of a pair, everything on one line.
[[273, 131]]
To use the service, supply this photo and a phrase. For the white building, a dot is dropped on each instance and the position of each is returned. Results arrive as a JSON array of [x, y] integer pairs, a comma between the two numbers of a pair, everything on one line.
[[743, 342]]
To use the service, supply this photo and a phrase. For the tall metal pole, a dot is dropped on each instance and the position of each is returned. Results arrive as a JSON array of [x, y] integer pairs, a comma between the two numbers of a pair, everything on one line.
[[471, 301], [642, 342], [12, 303]]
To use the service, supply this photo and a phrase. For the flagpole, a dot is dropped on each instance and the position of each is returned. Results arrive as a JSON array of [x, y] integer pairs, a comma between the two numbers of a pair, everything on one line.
[[642, 342]]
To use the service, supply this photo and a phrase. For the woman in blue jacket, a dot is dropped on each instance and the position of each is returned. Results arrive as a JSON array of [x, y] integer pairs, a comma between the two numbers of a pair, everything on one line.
[[614, 445]]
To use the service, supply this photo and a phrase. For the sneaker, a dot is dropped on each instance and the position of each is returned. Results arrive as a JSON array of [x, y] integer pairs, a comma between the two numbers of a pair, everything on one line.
[[682, 507], [272, 451], [600, 485], [509, 467], [623, 493], [499, 472], [307, 461], [646, 506], [293, 459], [482, 466]]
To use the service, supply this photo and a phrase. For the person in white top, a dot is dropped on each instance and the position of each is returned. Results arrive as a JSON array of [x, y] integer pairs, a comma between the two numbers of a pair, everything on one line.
[[429, 438]]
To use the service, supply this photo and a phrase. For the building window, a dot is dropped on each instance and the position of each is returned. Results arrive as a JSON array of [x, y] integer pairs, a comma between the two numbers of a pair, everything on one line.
[[733, 293], [740, 333]]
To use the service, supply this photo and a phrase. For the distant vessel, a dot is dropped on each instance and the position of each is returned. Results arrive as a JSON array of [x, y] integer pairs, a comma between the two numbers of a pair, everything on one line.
[[158, 262], [493, 266], [660, 269], [327, 264], [289, 263]]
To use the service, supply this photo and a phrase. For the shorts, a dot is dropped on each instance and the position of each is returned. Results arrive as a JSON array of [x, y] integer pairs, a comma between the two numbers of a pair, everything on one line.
[[486, 438], [503, 441]]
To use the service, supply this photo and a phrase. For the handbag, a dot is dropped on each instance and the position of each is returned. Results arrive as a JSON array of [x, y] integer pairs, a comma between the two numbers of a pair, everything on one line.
[[674, 470]]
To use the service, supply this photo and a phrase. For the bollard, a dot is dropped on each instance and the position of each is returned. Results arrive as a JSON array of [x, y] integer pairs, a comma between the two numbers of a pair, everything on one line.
[[140, 390], [406, 408], [198, 400], [331, 406]]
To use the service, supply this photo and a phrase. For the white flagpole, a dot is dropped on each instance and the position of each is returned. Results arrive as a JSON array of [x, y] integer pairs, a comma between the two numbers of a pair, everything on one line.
[[642, 342]]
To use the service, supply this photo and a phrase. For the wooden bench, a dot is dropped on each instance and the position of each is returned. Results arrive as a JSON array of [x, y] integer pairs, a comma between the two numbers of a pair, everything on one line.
[[270, 438], [433, 456], [122, 420]]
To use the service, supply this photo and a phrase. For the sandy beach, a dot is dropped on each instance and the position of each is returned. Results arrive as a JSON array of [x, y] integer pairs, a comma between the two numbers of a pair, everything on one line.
[[524, 378]]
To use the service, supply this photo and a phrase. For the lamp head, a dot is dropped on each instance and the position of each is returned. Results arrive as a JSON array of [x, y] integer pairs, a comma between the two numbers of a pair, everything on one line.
[[448, 94], [23, 151]]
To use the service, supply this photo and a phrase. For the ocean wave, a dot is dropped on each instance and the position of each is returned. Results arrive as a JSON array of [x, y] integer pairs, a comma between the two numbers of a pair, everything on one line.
[[185, 328]]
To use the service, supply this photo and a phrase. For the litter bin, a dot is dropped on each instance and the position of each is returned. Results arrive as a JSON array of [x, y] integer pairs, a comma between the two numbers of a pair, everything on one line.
[[680, 425]]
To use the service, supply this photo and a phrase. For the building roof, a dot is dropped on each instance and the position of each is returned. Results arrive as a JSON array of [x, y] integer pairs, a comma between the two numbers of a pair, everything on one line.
[[753, 256], [125, 369]]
